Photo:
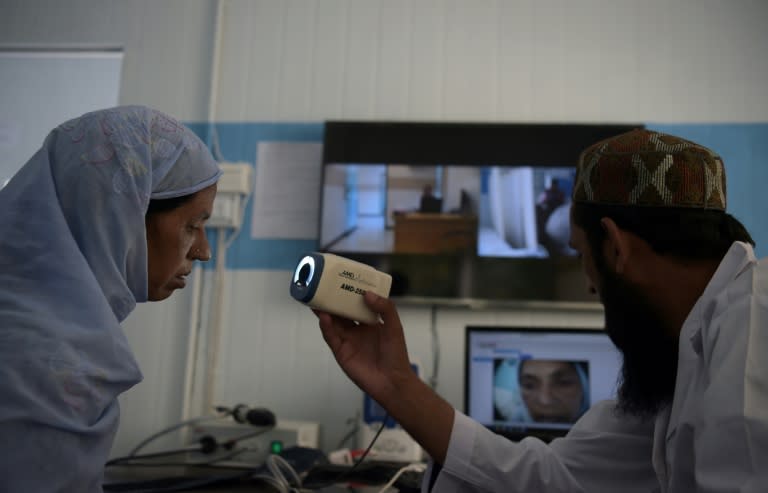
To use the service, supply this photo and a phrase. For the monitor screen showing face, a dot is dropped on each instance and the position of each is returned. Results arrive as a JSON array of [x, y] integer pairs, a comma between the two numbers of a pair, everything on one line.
[[538, 382]]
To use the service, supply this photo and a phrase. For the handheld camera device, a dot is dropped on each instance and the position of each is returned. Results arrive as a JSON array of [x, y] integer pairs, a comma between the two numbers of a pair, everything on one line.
[[336, 285]]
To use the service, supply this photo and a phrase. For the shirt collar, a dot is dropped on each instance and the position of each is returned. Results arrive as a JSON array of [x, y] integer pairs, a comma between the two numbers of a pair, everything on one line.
[[739, 256]]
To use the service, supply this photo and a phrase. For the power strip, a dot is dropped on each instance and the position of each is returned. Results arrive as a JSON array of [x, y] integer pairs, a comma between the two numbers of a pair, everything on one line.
[[254, 450]]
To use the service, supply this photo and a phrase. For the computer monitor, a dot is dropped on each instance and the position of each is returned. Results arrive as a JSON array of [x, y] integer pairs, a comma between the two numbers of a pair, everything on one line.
[[536, 381]]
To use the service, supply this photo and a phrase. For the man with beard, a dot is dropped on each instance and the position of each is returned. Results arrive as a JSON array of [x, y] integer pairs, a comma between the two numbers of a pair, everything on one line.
[[686, 303]]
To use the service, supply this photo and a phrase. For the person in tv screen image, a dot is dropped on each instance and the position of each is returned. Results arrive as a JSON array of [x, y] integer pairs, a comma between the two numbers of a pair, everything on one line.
[[685, 301], [553, 217], [428, 202], [540, 390]]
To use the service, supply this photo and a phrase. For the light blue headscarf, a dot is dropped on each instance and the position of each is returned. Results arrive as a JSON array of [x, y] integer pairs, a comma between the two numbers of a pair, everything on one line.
[[73, 264], [507, 398]]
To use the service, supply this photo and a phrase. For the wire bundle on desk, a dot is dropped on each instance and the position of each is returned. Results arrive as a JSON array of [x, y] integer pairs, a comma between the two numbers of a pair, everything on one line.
[[208, 444], [277, 466]]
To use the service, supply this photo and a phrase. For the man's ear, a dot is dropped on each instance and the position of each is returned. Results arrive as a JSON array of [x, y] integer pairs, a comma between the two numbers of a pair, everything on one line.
[[617, 245]]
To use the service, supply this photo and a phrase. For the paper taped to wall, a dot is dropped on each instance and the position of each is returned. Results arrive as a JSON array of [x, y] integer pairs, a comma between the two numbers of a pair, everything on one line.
[[287, 190]]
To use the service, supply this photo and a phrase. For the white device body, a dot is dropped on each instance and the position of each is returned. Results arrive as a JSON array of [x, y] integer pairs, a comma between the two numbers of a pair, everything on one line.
[[336, 285]]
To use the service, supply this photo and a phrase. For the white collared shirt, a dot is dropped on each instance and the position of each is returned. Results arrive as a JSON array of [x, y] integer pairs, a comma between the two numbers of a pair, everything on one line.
[[713, 438]]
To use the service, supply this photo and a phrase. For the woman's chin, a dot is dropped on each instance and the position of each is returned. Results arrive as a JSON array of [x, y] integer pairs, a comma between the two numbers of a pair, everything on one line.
[[160, 294]]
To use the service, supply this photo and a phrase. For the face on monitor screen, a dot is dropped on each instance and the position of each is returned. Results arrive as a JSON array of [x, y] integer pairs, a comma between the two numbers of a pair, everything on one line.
[[540, 390], [521, 381]]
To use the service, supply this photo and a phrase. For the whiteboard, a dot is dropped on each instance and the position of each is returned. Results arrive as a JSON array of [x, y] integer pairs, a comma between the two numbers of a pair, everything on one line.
[[41, 89]]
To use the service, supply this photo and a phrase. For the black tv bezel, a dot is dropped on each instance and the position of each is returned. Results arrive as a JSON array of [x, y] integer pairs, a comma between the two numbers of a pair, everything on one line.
[[546, 434], [453, 143]]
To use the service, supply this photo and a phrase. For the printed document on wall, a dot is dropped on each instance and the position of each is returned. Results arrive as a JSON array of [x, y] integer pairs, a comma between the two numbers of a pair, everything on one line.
[[286, 197]]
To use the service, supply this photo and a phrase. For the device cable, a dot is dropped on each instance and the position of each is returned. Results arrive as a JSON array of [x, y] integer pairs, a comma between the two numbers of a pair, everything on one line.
[[410, 467], [170, 429], [357, 463]]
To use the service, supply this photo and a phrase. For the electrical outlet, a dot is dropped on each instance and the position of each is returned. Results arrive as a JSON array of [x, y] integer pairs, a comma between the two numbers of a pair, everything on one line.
[[235, 178], [233, 186], [226, 211]]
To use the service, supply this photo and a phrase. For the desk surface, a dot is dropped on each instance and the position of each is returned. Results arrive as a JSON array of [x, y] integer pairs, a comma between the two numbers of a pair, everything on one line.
[[125, 479]]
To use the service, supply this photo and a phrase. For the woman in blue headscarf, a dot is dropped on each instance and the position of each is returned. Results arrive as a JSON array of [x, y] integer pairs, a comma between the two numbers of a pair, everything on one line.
[[110, 212]]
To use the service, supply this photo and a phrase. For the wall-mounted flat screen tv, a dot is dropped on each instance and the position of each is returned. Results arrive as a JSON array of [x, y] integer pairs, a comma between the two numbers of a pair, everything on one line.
[[476, 211]]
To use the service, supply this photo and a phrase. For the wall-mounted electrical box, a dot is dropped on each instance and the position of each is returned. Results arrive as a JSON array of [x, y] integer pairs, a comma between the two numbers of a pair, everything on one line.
[[234, 185]]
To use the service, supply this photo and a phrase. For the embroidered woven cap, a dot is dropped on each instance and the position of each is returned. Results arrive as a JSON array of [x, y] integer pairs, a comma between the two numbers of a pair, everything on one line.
[[647, 168]]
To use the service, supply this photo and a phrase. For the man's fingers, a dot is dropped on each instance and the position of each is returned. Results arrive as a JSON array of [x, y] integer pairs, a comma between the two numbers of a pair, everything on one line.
[[383, 306]]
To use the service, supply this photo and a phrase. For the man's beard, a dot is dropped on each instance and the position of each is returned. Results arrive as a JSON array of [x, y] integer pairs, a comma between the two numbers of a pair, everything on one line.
[[649, 371]]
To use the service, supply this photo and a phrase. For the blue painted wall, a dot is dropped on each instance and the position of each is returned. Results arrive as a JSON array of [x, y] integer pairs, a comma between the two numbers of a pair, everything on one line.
[[743, 147]]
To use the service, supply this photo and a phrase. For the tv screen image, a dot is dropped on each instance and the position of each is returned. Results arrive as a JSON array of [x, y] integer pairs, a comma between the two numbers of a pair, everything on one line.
[[488, 211], [536, 381]]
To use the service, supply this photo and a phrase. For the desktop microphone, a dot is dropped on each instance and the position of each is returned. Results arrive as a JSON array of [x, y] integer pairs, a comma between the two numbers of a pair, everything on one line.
[[258, 416]]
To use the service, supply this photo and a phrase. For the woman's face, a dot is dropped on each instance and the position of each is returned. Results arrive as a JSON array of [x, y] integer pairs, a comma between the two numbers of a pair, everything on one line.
[[551, 390], [175, 239]]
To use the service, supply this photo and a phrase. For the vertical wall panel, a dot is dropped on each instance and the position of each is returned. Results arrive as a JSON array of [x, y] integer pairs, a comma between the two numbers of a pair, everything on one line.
[[617, 79], [296, 60], [328, 60], [234, 56], [470, 71], [586, 59], [426, 61], [265, 22], [361, 58], [547, 65], [394, 31], [516, 78]]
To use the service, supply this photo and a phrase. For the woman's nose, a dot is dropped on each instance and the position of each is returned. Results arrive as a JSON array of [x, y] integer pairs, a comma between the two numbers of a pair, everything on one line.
[[202, 250]]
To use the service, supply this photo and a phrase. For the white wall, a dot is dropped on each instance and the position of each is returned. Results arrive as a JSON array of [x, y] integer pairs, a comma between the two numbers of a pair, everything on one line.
[[167, 44], [448, 60], [502, 60]]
